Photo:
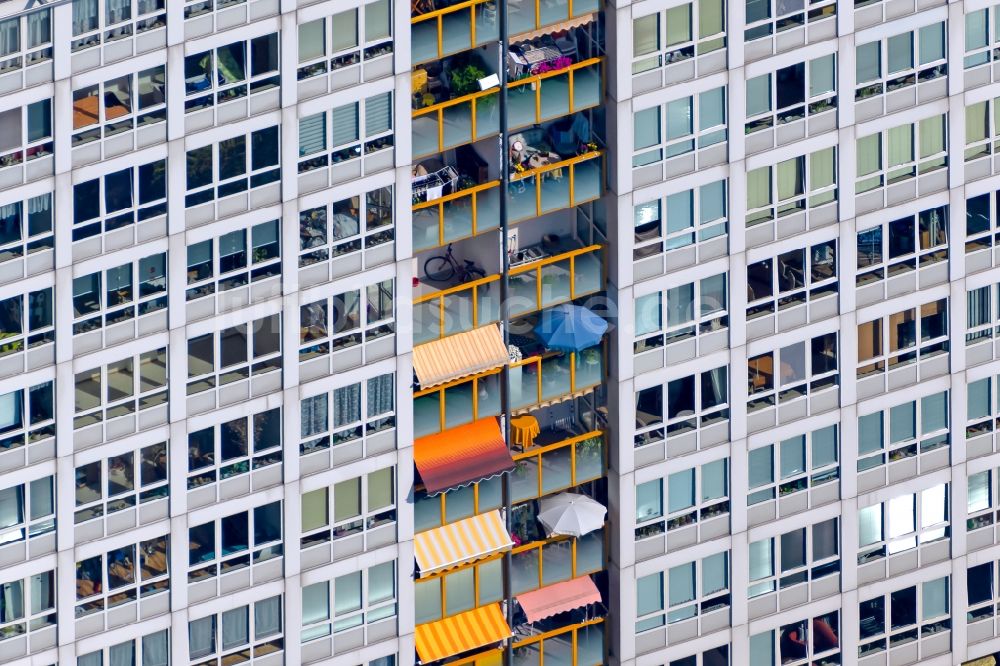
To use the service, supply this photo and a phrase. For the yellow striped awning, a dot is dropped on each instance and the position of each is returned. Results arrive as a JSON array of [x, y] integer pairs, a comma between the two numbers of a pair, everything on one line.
[[459, 355], [461, 633], [459, 542]]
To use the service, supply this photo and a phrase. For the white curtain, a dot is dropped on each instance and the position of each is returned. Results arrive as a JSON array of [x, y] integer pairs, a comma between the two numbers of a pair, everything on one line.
[[117, 11], [711, 18], [759, 188], [9, 37], [932, 136], [761, 561], [267, 617], [314, 415], [791, 178], [155, 649], [645, 35], [822, 169], [979, 491], [43, 592], [122, 654], [377, 21], [84, 16], [934, 595], [380, 395], [869, 154], [235, 628], [91, 659], [201, 637], [346, 405], [900, 147]]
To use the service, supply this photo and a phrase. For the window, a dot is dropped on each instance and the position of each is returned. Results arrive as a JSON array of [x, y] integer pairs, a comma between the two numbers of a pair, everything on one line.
[[797, 642], [25, 40], [336, 323], [196, 8], [227, 544], [691, 402], [791, 279], [981, 32], [793, 465], [27, 416], [806, 368], [358, 598], [122, 575], [242, 634], [341, 38], [221, 264], [120, 105], [27, 511], [700, 493], [677, 34], [122, 18], [981, 588], [670, 129], [120, 294], [26, 321], [343, 227], [233, 448], [150, 650], [767, 17], [110, 485], [26, 133], [921, 331], [980, 214], [981, 410], [232, 166], [902, 152], [680, 220], [359, 409], [28, 605], [901, 246], [26, 227], [234, 354], [901, 61], [911, 429], [336, 512], [118, 199], [792, 186], [718, 656], [802, 555], [457, 591], [689, 310], [231, 72], [980, 497], [342, 130], [980, 314], [694, 588], [900, 523], [133, 384], [791, 93], [904, 615]]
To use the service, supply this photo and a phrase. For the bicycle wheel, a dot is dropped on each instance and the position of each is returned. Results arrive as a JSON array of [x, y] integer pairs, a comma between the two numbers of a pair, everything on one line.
[[439, 269], [474, 273]]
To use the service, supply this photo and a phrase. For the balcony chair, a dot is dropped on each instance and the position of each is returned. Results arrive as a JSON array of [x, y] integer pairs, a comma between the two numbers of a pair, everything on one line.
[[568, 134]]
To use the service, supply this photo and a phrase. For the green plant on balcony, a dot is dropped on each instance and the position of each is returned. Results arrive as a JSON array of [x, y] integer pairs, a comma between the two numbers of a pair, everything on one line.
[[464, 79], [590, 447], [591, 356]]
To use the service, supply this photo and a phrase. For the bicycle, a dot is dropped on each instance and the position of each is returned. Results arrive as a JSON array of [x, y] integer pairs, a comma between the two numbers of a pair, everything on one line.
[[445, 267]]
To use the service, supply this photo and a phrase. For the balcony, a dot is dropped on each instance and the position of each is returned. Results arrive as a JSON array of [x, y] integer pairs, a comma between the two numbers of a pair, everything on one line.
[[581, 644], [556, 278], [443, 27], [532, 99]]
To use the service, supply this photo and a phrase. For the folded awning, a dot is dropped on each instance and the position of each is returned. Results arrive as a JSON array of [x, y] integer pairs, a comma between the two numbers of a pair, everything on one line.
[[462, 455], [559, 598], [459, 542], [460, 355], [461, 633]]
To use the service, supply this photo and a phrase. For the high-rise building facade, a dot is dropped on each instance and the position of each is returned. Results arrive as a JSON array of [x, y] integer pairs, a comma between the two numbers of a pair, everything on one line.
[[499, 332]]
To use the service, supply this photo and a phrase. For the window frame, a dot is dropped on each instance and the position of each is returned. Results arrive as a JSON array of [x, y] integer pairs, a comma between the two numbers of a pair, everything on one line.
[[690, 140], [222, 343], [662, 427], [916, 533], [107, 32], [769, 394], [105, 597], [260, 261], [218, 92], [318, 226], [916, 73], [883, 357], [256, 454], [139, 114], [250, 178], [364, 48], [141, 398], [814, 285], [134, 304], [811, 476], [919, 257], [811, 104], [143, 490], [151, 176]]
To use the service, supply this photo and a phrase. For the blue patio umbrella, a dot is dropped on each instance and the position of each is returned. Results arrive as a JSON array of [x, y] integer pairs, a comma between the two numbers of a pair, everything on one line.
[[570, 328]]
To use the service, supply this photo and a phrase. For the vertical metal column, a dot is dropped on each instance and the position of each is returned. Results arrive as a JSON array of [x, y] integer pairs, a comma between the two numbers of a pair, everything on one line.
[[503, 314]]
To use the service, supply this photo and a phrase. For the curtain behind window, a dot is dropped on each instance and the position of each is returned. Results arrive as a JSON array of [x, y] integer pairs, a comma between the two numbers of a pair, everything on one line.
[[122, 654], [201, 637], [155, 650], [235, 628], [9, 37], [267, 617], [117, 11], [314, 415], [380, 395], [84, 16]]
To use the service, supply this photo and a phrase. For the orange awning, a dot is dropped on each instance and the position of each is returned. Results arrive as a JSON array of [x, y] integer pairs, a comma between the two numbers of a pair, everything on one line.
[[460, 355], [461, 633], [462, 455], [459, 542], [559, 598]]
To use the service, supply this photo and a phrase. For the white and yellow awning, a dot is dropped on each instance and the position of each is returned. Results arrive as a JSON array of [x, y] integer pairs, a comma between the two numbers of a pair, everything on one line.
[[460, 633], [459, 542]]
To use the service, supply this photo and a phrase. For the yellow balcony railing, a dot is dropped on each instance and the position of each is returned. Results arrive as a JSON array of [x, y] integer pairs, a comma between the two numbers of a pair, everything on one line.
[[539, 284], [540, 563], [548, 469], [580, 644], [441, 32], [531, 100], [556, 186], [456, 216], [534, 380]]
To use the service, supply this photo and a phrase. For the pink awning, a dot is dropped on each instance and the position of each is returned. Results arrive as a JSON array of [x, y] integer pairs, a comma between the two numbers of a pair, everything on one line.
[[558, 598]]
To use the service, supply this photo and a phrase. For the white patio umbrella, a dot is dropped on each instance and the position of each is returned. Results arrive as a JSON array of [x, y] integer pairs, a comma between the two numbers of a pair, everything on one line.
[[571, 514]]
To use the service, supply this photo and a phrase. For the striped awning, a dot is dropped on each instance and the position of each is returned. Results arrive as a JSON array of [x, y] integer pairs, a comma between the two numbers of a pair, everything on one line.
[[460, 355], [459, 542], [559, 598], [461, 456], [460, 633]]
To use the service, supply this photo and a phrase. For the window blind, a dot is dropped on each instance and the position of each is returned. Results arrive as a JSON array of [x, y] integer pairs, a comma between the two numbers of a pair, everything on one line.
[[312, 134], [344, 120], [378, 114]]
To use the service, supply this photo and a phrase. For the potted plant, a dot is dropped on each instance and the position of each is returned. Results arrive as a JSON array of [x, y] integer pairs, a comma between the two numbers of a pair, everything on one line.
[[465, 79]]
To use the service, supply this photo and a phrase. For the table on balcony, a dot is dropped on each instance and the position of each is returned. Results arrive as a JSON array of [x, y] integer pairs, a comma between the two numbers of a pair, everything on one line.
[[524, 430]]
